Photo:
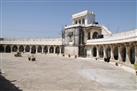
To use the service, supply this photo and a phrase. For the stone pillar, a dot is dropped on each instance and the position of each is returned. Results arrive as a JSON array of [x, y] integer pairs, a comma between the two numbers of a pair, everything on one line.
[[112, 52], [60, 50], [48, 47], [11, 47], [91, 51], [85, 36], [36, 48], [119, 53], [17, 48], [104, 51], [54, 49], [127, 54], [42, 49], [97, 51], [24, 48], [136, 53], [30, 48]]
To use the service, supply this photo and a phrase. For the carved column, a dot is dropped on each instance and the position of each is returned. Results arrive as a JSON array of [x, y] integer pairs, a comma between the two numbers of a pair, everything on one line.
[[36, 48], [112, 52], [42, 51], [48, 47], [60, 50], [135, 53], [17, 48], [30, 48], [104, 50], [24, 48], [54, 49], [91, 51], [97, 51], [127, 53], [119, 53]]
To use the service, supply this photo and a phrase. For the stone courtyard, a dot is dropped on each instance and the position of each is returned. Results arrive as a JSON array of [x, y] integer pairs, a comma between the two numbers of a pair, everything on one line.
[[57, 73]]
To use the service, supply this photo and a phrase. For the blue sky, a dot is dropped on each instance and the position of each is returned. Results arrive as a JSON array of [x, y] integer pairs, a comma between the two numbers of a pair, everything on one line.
[[46, 18]]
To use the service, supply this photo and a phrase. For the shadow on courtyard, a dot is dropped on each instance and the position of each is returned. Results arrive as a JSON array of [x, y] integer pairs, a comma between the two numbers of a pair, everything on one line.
[[6, 85]]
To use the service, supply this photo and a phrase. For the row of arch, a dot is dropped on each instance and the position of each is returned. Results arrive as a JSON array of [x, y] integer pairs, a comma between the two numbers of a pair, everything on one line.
[[115, 52], [32, 49]]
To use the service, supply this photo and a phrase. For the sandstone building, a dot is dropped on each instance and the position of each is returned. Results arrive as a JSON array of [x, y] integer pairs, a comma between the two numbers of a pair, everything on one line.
[[84, 38]]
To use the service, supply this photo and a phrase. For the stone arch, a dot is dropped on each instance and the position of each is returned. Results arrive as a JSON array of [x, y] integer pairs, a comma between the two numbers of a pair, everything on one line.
[[95, 35], [8, 49], [1, 48], [45, 50], [27, 48], [123, 54], [132, 55], [51, 49], [33, 49], [15, 48], [39, 49], [94, 52], [57, 50], [108, 52], [115, 53], [101, 52], [21, 48]]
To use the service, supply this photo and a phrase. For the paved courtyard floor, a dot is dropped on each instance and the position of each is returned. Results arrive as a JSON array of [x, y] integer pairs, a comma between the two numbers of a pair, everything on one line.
[[55, 73]]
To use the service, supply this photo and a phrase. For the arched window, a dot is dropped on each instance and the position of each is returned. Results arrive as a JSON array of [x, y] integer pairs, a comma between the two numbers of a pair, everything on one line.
[[88, 35], [76, 22], [95, 35], [79, 21]]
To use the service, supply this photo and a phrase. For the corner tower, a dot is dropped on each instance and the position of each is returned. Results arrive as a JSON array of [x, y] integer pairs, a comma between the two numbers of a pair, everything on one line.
[[82, 29]]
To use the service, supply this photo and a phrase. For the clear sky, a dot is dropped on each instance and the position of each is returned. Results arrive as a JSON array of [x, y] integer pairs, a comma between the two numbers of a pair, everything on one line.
[[46, 18]]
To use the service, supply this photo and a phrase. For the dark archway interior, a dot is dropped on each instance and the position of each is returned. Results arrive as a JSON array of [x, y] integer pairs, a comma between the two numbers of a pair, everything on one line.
[[21, 48], [95, 35], [123, 54], [33, 49], [51, 50], [57, 50], [101, 53], [132, 55], [45, 49], [116, 53], [94, 52], [39, 49], [14, 48], [27, 48], [1, 48], [8, 49]]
